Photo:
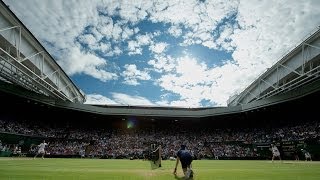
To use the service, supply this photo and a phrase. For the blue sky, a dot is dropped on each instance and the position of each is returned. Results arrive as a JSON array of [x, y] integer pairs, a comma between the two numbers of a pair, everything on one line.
[[188, 53]]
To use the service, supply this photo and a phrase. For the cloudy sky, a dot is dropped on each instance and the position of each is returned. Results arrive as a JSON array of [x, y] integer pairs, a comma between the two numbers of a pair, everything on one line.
[[185, 53]]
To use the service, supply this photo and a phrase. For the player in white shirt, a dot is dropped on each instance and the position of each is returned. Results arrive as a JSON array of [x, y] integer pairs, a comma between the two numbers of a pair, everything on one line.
[[275, 152], [307, 155], [41, 149], [19, 153]]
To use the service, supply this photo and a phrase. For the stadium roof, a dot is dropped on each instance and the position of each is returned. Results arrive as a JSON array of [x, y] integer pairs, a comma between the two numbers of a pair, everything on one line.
[[305, 96], [24, 61]]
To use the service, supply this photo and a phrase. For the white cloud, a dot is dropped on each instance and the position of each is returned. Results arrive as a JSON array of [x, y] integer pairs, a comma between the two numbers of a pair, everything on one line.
[[135, 46], [275, 25], [116, 33], [117, 50], [127, 33], [136, 30], [224, 39], [108, 51], [106, 27], [99, 99], [265, 30], [269, 29], [188, 79], [117, 99], [175, 31], [134, 11], [175, 12], [201, 18], [159, 47], [76, 62], [105, 47], [190, 103], [57, 23], [185, 103], [145, 39], [132, 75], [193, 81], [157, 33], [126, 99], [162, 63], [210, 44], [88, 39], [188, 73]]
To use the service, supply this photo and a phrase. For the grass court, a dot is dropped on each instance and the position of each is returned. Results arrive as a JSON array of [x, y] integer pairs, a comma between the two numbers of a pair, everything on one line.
[[85, 169]]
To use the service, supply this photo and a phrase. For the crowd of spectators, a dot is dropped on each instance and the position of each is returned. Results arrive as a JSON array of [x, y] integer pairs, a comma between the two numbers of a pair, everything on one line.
[[126, 143]]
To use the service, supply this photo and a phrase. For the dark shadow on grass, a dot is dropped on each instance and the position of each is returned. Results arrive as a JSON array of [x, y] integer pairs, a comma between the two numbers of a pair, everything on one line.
[[155, 165], [182, 178], [177, 177]]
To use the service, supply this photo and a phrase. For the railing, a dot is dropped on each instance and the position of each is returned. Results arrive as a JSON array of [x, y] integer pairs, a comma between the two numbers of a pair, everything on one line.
[[28, 79], [282, 57], [295, 83]]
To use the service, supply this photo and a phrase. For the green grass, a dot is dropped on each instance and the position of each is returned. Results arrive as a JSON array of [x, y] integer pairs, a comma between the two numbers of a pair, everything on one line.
[[28, 168]]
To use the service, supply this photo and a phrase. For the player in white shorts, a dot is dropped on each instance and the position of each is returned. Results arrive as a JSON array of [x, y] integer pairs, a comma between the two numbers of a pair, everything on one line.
[[307, 155], [41, 149], [275, 152]]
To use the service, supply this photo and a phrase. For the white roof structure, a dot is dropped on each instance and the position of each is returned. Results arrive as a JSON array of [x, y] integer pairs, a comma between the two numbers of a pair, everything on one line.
[[25, 62], [296, 68]]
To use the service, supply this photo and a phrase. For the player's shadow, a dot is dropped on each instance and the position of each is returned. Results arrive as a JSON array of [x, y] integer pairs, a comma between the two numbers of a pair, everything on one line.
[[182, 178], [154, 165]]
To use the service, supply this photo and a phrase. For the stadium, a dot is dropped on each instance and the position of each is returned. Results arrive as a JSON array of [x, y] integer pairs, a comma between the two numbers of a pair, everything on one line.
[[86, 141]]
